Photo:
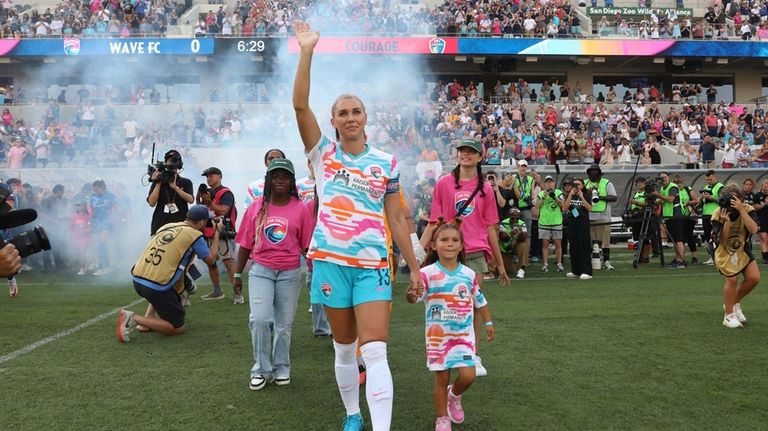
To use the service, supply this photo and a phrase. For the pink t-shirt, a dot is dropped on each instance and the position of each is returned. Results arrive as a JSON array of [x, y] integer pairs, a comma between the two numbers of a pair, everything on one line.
[[286, 233], [16, 157], [480, 213]]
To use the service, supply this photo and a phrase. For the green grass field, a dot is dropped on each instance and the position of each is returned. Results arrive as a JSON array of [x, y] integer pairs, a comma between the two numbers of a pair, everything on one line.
[[627, 350]]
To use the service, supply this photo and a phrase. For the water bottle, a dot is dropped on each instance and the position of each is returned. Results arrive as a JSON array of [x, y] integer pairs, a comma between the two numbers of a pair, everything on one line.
[[596, 254]]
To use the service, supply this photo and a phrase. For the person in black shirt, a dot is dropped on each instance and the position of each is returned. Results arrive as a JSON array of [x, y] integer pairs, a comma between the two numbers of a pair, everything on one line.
[[170, 200], [761, 208]]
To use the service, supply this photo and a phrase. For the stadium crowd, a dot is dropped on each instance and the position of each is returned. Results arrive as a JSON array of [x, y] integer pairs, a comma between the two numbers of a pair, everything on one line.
[[557, 124]]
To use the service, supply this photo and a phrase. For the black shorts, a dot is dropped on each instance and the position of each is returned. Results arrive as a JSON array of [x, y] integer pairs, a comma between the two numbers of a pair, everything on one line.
[[167, 304], [763, 226], [676, 230]]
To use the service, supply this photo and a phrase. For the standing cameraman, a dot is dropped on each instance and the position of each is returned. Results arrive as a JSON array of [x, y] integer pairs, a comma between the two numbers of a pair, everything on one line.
[[523, 188], [550, 201], [221, 201], [709, 195], [672, 213], [169, 199], [601, 193]]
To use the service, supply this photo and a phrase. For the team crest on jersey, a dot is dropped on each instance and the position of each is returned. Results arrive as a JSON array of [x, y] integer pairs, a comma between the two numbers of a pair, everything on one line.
[[463, 291], [376, 171], [326, 289], [276, 229], [460, 199]]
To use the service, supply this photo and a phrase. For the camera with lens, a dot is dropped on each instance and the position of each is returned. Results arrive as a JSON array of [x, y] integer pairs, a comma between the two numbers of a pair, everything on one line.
[[724, 201], [595, 196], [228, 231], [552, 194], [653, 185], [167, 170], [28, 242]]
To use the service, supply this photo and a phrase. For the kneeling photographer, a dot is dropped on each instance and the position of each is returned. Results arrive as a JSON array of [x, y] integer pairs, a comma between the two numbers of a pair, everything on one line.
[[733, 224], [159, 274], [170, 194]]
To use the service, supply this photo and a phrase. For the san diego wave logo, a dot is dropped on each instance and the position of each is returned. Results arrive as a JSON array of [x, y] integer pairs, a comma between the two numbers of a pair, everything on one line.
[[461, 199], [71, 46], [276, 229], [437, 45]]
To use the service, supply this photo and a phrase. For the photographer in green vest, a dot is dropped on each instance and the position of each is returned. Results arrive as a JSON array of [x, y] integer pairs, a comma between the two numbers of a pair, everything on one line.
[[688, 201], [636, 211], [709, 196], [601, 193], [523, 187], [549, 202], [159, 274], [672, 213], [514, 243]]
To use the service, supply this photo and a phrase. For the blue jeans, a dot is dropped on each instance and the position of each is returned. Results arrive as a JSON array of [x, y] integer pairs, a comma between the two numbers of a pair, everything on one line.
[[273, 296]]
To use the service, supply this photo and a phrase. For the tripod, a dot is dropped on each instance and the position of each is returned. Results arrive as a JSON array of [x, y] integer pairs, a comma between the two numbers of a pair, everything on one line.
[[650, 230]]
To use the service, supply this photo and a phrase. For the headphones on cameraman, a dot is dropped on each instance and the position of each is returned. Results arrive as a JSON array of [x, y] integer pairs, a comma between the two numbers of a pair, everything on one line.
[[174, 154]]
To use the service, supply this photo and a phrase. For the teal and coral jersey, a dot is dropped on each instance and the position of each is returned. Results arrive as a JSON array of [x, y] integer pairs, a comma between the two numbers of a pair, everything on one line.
[[351, 190], [450, 298], [306, 189]]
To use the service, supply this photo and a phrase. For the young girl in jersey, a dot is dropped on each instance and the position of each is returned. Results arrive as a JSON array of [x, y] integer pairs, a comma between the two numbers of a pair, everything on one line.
[[480, 214], [80, 234], [451, 293]]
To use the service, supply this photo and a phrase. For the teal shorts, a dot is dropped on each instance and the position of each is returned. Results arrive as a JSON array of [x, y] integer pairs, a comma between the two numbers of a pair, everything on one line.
[[338, 286]]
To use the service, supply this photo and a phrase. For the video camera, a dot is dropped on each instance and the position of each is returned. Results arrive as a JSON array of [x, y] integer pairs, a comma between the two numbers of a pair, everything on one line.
[[167, 168], [653, 185], [28, 242]]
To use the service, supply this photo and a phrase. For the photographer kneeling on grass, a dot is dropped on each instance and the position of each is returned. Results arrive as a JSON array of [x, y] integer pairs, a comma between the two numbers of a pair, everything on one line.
[[158, 275]]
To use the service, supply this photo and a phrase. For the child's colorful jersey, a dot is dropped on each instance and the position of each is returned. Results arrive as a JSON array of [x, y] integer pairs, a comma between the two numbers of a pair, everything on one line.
[[255, 190], [450, 298], [351, 190], [306, 188]]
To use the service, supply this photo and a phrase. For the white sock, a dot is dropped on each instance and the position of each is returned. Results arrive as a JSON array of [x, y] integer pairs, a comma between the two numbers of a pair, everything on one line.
[[347, 376], [378, 389]]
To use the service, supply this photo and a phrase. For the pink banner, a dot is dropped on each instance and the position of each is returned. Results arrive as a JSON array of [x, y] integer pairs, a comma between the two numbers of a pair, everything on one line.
[[381, 45], [7, 45]]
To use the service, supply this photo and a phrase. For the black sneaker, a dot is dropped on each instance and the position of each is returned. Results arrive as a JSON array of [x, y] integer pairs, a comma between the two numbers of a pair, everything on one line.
[[694, 260]]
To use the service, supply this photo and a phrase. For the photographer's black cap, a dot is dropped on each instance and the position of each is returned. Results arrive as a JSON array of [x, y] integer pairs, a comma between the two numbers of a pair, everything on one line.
[[640, 179], [595, 168], [211, 171]]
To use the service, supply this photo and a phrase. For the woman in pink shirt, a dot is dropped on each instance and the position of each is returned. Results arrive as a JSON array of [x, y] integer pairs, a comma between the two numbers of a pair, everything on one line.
[[274, 233], [7, 117]]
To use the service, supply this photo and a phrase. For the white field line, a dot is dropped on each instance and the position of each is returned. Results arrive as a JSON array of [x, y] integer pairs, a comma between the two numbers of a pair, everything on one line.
[[26, 349]]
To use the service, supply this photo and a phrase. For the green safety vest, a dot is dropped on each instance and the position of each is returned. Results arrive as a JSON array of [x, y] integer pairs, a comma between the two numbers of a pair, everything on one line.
[[550, 214], [524, 191], [709, 207], [640, 197], [509, 245], [685, 197], [668, 208], [602, 190]]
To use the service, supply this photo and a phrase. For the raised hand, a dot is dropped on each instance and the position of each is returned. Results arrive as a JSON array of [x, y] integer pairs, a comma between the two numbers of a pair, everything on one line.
[[306, 38]]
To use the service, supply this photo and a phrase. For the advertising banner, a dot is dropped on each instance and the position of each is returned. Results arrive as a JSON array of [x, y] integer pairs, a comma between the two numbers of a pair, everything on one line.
[[108, 47], [635, 11], [382, 45]]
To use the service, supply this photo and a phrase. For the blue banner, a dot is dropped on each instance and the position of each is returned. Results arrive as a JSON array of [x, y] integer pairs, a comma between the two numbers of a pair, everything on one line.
[[111, 47]]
